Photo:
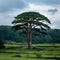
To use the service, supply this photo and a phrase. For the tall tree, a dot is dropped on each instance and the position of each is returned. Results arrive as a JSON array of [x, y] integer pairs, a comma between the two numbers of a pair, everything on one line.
[[31, 22]]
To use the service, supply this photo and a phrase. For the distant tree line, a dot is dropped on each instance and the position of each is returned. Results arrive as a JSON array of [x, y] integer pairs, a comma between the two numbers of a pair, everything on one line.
[[7, 35]]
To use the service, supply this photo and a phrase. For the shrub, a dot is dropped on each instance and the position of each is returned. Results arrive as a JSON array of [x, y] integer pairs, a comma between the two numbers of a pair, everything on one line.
[[1, 44]]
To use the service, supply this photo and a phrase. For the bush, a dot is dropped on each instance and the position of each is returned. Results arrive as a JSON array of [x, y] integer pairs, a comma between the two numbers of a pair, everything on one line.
[[1, 44], [38, 55], [17, 56]]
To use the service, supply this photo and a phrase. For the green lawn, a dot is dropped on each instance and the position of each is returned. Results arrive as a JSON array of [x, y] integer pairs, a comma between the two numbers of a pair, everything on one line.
[[19, 51]]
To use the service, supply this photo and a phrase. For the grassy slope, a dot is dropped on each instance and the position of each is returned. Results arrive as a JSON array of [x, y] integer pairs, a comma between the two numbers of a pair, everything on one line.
[[39, 52]]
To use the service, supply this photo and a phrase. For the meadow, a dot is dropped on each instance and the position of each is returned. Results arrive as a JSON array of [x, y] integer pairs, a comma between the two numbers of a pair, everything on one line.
[[19, 51]]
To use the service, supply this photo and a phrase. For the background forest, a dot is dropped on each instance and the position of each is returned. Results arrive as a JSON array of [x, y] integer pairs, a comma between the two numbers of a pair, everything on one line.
[[7, 35]]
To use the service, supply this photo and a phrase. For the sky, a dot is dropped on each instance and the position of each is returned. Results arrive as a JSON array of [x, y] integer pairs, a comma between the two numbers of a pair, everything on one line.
[[11, 8]]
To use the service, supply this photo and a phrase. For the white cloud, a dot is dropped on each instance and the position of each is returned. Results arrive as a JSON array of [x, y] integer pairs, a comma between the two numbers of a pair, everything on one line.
[[43, 9], [46, 2], [56, 20], [7, 17]]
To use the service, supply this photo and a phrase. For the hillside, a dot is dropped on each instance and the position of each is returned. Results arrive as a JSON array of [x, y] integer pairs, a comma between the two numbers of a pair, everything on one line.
[[8, 35]]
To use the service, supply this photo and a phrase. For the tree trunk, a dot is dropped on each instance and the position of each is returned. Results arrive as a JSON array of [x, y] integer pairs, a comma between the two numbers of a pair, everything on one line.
[[30, 41], [29, 37]]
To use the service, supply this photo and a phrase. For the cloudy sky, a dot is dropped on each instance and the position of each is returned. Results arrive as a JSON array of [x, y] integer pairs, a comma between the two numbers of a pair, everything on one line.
[[10, 8]]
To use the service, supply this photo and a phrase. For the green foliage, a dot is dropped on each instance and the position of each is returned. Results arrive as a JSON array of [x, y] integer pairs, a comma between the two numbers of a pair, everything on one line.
[[38, 55], [1, 45], [33, 18], [8, 35]]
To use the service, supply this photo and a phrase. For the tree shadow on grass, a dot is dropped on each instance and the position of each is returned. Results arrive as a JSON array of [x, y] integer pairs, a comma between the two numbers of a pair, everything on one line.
[[16, 55], [11, 50], [39, 56], [48, 48], [55, 58]]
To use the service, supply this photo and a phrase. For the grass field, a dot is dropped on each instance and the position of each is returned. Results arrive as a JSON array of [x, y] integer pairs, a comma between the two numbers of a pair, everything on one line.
[[19, 51]]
